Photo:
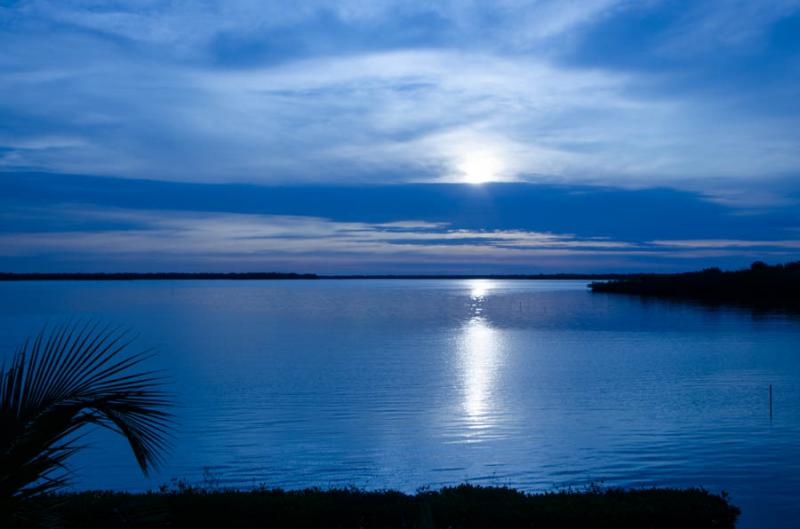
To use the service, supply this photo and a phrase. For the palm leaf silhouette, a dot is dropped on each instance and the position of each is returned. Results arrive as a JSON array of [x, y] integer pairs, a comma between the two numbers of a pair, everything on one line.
[[63, 381]]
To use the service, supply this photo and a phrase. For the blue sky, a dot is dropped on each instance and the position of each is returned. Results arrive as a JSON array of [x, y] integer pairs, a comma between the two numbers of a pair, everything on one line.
[[384, 136]]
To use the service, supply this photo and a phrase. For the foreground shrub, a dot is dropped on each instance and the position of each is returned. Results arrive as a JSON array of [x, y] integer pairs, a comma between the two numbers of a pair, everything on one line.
[[462, 507]]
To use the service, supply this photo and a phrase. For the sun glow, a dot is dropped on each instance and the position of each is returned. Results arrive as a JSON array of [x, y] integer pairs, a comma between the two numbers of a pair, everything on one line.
[[480, 168]]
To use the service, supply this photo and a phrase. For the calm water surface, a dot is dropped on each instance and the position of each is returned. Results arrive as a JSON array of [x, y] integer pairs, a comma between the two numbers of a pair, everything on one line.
[[402, 384]]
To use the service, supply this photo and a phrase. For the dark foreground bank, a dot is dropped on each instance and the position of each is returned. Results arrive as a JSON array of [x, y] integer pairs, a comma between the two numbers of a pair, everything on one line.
[[761, 286], [463, 507]]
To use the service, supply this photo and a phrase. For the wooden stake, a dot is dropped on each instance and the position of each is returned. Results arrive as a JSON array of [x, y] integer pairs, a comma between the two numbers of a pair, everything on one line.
[[770, 402]]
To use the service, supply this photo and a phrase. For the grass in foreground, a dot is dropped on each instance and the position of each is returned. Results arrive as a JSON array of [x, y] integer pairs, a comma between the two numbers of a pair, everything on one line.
[[465, 506]]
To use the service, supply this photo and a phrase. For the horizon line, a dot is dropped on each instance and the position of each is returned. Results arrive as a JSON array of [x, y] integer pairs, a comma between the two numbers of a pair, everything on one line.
[[245, 276]]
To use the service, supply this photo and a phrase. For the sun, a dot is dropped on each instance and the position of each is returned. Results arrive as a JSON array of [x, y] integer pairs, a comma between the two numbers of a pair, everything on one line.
[[479, 168]]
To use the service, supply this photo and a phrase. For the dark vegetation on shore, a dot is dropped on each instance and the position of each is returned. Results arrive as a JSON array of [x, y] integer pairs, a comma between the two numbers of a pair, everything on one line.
[[462, 507], [133, 276], [761, 286]]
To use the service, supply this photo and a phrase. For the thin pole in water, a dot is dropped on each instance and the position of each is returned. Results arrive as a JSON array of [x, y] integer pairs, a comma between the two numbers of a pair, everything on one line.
[[770, 402]]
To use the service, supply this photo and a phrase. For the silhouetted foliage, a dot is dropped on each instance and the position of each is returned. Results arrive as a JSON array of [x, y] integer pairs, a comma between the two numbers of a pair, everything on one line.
[[761, 286], [462, 507], [58, 384]]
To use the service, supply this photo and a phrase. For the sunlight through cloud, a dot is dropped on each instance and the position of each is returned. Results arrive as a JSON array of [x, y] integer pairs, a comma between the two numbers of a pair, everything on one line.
[[480, 168]]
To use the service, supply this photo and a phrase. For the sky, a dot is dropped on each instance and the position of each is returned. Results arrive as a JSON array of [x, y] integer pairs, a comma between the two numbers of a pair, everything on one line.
[[398, 137]]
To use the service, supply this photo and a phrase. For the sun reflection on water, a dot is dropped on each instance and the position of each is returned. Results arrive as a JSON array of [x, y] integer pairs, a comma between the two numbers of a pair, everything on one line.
[[479, 288], [479, 366], [480, 363]]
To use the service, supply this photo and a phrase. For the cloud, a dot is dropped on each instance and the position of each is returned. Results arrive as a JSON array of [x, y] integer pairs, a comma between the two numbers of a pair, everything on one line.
[[729, 243], [200, 233], [386, 92], [132, 239], [187, 28], [710, 26]]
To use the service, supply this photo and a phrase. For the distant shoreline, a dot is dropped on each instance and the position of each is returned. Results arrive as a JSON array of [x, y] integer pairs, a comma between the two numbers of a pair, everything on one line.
[[277, 276]]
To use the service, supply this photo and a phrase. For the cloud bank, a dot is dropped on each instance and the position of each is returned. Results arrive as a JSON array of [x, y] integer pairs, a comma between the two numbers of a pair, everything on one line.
[[386, 92], [86, 223], [197, 239], [349, 135]]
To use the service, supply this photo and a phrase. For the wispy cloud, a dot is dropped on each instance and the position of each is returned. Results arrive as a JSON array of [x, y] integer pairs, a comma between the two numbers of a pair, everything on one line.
[[181, 233], [706, 27], [202, 240], [386, 91], [730, 243]]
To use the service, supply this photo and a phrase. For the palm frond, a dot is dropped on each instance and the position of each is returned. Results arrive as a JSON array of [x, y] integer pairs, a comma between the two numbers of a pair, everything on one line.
[[63, 381]]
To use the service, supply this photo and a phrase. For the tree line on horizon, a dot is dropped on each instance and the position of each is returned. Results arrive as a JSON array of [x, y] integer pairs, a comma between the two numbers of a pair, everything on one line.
[[761, 285]]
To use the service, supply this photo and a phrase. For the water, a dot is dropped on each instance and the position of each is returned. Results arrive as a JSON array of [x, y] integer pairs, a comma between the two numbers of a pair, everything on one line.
[[402, 384]]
